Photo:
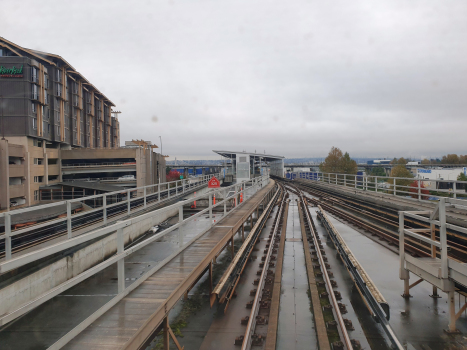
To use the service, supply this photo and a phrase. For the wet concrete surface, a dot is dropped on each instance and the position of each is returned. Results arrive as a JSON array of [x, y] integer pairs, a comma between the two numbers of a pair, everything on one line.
[[44, 325], [295, 327], [419, 320]]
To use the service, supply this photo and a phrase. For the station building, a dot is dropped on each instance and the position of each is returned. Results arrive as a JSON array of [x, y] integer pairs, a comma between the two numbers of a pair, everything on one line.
[[50, 113], [241, 166]]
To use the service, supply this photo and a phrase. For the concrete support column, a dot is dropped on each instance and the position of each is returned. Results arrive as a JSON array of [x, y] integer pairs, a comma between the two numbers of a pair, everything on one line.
[[452, 313]]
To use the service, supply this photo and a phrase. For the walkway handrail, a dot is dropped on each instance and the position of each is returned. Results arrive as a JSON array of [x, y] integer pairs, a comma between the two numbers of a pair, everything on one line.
[[392, 185], [140, 193], [240, 188]]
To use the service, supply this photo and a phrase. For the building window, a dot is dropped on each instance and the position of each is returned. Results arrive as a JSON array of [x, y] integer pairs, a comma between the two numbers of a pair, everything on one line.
[[38, 179], [34, 74], [46, 81], [48, 129], [34, 123], [59, 75], [58, 130], [38, 161], [36, 195], [46, 97], [33, 105], [35, 95]]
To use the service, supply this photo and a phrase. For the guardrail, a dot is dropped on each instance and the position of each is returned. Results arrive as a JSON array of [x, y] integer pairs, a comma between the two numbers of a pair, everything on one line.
[[246, 188], [444, 272], [422, 189], [100, 202]]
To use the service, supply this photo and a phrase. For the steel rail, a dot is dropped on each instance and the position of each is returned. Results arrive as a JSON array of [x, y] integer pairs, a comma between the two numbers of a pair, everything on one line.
[[340, 320], [237, 265], [380, 309], [247, 340]]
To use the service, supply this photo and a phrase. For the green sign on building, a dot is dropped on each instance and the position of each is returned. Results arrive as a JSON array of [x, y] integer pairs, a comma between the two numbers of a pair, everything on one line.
[[11, 72]]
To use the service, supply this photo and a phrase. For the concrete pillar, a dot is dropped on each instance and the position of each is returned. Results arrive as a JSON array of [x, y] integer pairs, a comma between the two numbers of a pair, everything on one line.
[[452, 312], [4, 176]]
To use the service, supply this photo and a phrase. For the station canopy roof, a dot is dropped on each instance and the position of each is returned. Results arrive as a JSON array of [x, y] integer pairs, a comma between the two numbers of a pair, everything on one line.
[[265, 157]]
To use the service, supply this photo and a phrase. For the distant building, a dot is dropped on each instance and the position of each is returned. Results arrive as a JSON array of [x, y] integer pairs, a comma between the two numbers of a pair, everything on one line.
[[51, 116]]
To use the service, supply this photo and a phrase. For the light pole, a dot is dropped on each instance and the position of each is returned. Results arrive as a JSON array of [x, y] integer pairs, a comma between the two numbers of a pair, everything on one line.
[[160, 138]]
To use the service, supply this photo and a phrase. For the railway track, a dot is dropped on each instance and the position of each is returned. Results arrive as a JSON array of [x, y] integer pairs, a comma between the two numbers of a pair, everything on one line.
[[55, 230], [332, 330], [383, 222]]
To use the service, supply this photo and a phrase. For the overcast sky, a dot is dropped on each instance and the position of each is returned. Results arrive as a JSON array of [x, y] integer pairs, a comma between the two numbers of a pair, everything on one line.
[[293, 78]]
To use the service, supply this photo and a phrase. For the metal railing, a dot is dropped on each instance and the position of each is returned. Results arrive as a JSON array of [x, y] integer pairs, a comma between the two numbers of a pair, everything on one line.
[[443, 272], [246, 188], [99, 203], [422, 189]]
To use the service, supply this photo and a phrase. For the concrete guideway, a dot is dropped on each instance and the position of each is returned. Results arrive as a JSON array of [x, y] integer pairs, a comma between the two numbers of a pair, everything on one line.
[[146, 306], [39, 278]]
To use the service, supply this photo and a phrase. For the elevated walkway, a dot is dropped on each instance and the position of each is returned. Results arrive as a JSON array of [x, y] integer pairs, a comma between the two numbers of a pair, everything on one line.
[[133, 320]]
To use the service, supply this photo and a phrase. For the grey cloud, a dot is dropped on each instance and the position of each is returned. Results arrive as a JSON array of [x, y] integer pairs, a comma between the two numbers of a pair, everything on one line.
[[384, 78]]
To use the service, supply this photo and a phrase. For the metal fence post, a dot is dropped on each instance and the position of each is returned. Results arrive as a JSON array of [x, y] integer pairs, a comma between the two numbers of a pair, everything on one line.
[[183, 186], [345, 180], [454, 187], [121, 262], [180, 232], [7, 236], [225, 202], [176, 187], [210, 209], [395, 191], [159, 192], [419, 191], [128, 200], [145, 200], [168, 189], [403, 273], [442, 238], [68, 219], [336, 179], [376, 183], [104, 208]]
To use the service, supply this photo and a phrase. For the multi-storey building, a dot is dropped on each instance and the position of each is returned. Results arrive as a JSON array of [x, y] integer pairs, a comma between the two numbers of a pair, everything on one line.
[[46, 107]]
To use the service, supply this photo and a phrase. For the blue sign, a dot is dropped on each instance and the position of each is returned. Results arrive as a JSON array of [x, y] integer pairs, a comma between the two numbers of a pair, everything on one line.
[[426, 171]]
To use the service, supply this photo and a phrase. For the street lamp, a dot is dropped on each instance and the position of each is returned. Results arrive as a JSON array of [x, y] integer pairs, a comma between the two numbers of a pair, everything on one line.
[[160, 138]]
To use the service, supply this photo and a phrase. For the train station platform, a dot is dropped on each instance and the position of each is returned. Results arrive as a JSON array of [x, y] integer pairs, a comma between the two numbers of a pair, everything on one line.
[[134, 320]]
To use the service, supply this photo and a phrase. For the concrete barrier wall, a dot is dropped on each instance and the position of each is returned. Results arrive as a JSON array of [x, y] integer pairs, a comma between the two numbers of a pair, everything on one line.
[[43, 280]]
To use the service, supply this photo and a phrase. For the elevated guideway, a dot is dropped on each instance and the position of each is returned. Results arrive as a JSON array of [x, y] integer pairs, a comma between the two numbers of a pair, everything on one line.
[[147, 300]]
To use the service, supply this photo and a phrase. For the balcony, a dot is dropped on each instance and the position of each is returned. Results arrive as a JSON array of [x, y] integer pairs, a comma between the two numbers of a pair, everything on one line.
[[16, 170], [17, 191], [54, 169]]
